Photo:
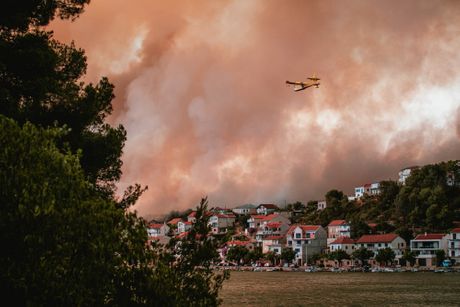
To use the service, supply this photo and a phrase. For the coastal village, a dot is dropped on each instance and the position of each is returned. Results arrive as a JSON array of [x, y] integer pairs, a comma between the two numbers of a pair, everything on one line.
[[268, 232]]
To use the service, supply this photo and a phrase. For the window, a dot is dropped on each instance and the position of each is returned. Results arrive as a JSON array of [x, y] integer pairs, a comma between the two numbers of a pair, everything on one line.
[[454, 236], [297, 250], [307, 235], [298, 242], [298, 235], [289, 243]]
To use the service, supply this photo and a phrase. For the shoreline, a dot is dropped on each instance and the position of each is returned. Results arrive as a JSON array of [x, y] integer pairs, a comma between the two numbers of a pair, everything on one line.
[[338, 270]]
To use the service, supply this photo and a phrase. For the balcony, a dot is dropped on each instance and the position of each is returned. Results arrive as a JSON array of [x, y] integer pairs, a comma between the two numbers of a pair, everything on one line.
[[424, 246]]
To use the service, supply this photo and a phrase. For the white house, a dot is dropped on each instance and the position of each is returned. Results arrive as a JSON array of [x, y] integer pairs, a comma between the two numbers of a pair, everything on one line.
[[376, 242], [337, 229], [375, 188], [453, 244], [245, 209], [157, 230], [425, 247], [273, 244], [221, 222], [359, 192], [343, 243], [306, 240], [322, 205], [266, 209], [183, 226], [405, 173]]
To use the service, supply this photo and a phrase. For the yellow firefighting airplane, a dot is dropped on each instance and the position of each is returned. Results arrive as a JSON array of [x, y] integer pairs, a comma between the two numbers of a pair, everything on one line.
[[300, 86]]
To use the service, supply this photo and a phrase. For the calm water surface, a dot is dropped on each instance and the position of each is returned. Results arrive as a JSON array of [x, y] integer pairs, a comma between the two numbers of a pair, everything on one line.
[[341, 289]]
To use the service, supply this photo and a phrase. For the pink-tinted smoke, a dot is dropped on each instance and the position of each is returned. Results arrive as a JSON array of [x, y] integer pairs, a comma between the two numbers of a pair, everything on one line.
[[201, 92]]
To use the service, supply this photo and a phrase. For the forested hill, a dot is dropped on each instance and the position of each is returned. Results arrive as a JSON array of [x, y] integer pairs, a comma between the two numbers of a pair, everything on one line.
[[429, 201]]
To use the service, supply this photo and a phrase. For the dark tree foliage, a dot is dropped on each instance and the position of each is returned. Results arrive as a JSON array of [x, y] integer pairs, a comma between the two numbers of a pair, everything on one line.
[[338, 255], [67, 240], [385, 256], [39, 83], [237, 254], [64, 244], [19, 15], [288, 255], [362, 254], [183, 268], [409, 256], [429, 201]]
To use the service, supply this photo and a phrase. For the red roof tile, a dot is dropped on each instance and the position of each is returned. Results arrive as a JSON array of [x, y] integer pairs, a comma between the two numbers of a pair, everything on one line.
[[385, 238], [337, 223], [305, 228], [456, 230], [259, 217], [192, 214], [344, 240], [430, 236], [175, 221], [226, 216], [274, 224], [155, 226]]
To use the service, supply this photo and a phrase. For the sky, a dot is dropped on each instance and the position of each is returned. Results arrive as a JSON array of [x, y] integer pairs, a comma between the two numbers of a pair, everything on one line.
[[200, 89]]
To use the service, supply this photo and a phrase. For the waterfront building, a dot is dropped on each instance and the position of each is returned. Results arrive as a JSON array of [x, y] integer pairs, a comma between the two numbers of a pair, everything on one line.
[[453, 244], [342, 243], [306, 240], [273, 244], [425, 247], [336, 229], [376, 242]]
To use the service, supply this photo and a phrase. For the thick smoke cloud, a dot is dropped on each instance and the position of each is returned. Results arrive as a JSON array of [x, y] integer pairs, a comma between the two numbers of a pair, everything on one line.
[[200, 90]]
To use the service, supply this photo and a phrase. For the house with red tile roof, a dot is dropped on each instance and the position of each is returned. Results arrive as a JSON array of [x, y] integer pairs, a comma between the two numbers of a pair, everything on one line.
[[305, 241], [425, 247], [453, 244], [174, 221], [266, 225], [380, 241], [270, 228], [337, 229], [343, 243]]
